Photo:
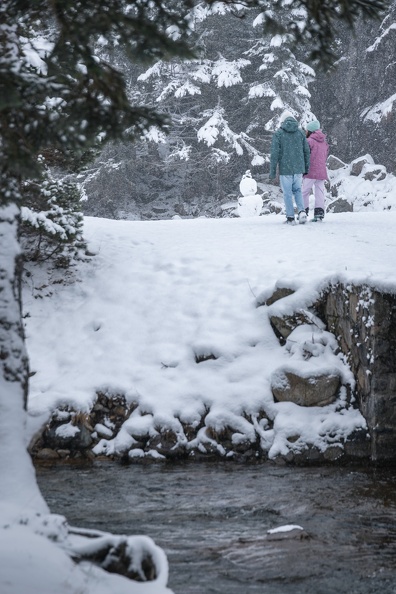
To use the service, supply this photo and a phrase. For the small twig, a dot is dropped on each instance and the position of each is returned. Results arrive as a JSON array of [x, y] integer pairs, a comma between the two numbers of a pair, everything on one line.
[[251, 290]]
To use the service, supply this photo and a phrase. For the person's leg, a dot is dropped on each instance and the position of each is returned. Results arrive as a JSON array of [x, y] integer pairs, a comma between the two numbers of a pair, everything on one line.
[[306, 190], [286, 183], [319, 193], [319, 199], [296, 190]]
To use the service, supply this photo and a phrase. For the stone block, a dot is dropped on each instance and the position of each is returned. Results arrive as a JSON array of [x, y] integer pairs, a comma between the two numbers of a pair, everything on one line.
[[341, 205], [279, 293], [353, 306], [284, 326], [371, 352], [317, 390], [333, 163], [47, 454], [358, 164]]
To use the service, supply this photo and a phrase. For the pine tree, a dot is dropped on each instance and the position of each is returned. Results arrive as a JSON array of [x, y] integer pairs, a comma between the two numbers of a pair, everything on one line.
[[51, 220], [224, 104], [57, 94]]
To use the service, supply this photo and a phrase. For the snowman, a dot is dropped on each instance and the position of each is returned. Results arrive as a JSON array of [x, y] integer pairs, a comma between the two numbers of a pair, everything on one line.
[[250, 203]]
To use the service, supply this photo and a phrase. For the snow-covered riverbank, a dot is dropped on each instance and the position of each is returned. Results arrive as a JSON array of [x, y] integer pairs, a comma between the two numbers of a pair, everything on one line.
[[159, 296]]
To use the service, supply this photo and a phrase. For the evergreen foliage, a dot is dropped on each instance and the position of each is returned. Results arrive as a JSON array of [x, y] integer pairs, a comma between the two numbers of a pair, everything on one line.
[[312, 21], [61, 95], [52, 220], [265, 68], [55, 92], [58, 95], [224, 103]]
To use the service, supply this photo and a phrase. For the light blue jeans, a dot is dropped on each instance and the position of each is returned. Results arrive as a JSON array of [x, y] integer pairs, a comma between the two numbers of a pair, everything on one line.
[[291, 186]]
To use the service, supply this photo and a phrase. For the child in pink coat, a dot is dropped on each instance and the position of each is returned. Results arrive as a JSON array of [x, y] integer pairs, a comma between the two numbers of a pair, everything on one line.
[[317, 174]]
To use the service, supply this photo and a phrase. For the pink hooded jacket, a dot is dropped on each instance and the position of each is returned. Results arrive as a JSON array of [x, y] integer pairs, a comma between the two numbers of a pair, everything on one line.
[[319, 153]]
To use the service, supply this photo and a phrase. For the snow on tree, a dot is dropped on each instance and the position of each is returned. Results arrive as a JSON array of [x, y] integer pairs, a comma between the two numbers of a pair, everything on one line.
[[220, 35], [355, 99], [284, 79], [51, 220], [58, 94], [220, 102], [383, 45]]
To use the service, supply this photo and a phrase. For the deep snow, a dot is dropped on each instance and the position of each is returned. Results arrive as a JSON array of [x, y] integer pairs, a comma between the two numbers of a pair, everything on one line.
[[159, 294], [133, 318]]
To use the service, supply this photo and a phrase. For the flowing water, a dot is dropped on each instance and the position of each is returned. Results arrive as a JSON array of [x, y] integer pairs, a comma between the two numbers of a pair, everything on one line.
[[212, 521]]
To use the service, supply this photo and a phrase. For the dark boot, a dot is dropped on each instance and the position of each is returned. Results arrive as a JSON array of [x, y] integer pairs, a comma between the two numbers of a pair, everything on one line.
[[319, 213]]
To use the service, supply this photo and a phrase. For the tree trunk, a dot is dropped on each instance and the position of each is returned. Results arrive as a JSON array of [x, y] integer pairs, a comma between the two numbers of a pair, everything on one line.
[[18, 482]]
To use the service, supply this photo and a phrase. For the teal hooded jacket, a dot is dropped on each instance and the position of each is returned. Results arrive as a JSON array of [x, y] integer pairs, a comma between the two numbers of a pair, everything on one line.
[[289, 150]]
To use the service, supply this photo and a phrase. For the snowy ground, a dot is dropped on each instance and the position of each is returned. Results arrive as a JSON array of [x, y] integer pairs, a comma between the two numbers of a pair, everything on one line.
[[159, 294], [155, 296], [35, 551]]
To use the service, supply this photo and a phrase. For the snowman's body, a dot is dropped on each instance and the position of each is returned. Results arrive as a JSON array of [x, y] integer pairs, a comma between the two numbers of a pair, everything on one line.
[[250, 204]]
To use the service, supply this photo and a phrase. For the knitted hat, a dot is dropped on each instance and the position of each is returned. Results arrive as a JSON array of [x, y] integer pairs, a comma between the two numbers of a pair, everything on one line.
[[312, 126], [284, 115]]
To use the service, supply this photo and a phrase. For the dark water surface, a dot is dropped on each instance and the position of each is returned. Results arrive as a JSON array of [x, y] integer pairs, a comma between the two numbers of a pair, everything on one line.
[[212, 521]]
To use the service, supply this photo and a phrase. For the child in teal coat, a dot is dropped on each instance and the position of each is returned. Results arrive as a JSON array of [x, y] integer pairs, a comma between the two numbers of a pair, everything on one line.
[[290, 152]]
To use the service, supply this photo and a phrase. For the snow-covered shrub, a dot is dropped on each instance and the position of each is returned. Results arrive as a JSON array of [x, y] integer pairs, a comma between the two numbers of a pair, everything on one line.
[[52, 220]]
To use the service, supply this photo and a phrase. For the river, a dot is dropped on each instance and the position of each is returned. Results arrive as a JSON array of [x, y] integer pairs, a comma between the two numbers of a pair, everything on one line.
[[212, 521]]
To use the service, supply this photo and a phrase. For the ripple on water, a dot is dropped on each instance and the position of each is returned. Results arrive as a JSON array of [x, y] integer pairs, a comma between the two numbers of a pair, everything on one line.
[[212, 521]]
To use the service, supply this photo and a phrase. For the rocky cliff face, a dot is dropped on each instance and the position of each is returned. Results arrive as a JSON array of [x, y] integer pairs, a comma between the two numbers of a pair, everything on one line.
[[364, 319], [356, 102]]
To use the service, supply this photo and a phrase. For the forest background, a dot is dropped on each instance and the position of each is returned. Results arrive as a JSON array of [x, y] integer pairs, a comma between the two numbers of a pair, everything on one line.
[[225, 104]]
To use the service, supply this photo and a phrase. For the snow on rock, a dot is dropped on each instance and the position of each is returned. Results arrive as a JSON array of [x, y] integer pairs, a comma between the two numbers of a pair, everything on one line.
[[181, 336], [286, 528], [67, 430], [287, 532], [41, 550], [364, 185]]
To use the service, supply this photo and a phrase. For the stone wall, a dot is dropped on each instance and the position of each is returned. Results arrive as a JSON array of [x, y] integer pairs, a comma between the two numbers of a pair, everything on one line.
[[364, 321]]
